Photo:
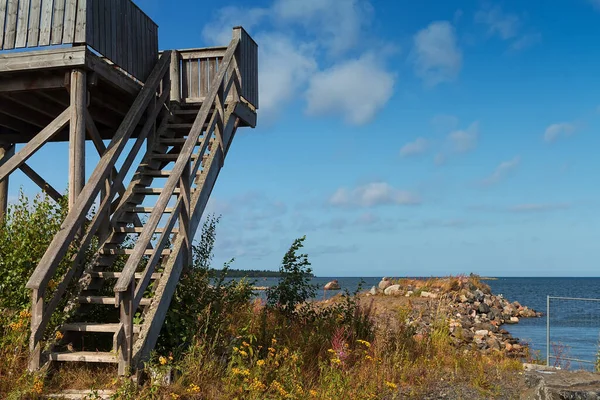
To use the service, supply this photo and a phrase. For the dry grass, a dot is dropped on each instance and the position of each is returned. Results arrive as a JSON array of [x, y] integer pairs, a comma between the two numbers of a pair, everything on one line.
[[366, 349]]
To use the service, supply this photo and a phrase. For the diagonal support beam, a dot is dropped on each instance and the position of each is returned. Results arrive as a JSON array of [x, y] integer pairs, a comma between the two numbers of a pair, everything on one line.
[[38, 180], [34, 144]]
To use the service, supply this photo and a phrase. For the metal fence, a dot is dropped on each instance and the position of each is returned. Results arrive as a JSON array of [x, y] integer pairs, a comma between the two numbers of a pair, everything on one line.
[[572, 330]]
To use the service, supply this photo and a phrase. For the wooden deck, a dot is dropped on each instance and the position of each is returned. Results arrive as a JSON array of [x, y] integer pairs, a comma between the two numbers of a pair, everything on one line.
[[34, 91]]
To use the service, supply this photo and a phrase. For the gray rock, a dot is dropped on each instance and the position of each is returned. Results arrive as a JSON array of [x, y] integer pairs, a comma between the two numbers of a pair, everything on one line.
[[484, 308], [392, 290], [385, 283], [548, 384], [373, 291]]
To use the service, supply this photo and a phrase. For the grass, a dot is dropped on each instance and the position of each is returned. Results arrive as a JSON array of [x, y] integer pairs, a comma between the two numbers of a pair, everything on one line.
[[355, 348]]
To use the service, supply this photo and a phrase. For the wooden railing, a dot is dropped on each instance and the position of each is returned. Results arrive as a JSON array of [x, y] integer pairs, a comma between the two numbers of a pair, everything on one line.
[[200, 66], [210, 124], [148, 102], [117, 29]]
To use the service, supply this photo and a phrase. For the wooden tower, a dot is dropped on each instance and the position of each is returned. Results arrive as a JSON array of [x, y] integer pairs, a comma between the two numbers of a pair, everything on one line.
[[103, 78]]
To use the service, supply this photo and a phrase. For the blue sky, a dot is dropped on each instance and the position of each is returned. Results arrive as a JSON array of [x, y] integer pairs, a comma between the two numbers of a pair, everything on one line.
[[406, 138]]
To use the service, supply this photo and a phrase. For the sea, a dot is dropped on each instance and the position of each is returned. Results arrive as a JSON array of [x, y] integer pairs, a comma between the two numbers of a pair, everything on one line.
[[574, 323]]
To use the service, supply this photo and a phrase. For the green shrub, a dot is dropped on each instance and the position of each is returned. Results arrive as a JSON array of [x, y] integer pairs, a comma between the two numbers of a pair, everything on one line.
[[294, 286], [25, 234], [200, 306]]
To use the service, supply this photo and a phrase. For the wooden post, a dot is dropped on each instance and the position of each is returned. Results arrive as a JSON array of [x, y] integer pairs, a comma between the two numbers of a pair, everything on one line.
[[126, 340], [175, 81], [6, 151], [185, 217], [77, 134], [37, 313]]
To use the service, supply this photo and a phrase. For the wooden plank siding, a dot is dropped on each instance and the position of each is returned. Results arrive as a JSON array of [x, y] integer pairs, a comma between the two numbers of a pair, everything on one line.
[[200, 66], [117, 29]]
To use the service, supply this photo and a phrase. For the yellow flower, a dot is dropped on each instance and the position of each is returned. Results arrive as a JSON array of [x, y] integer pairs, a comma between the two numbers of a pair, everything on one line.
[[336, 361], [391, 385], [25, 314], [245, 344], [260, 363], [368, 357], [257, 385], [364, 342], [277, 363], [243, 353], [332, 351], [313, 393], [194, 388], [162, 360], [235, 349], [240, 371], [38, 386], [58, 335], [174, 396], [273, 340]]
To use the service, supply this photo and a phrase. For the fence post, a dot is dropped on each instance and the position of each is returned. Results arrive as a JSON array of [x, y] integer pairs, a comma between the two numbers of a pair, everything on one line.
[[547, 330]]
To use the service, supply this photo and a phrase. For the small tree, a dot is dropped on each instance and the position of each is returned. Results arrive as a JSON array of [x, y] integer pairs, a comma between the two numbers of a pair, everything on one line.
[[294, 286]]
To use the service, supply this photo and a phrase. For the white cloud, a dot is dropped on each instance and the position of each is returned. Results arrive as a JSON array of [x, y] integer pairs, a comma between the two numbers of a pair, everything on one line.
[[418, 146], [337, 23], [284, 69], [301, 50], [502, 171], [465, 140], [372, 194], [218, 31], [555, 131], [499, 23], [526, 41], [437, 57], [443, 123], [355, 89]]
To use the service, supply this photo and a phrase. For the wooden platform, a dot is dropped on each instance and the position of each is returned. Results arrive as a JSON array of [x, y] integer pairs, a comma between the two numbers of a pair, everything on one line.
[[34, 91]]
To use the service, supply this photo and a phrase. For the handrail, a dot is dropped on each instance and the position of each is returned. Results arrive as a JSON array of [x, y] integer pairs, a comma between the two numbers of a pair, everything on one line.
[[125, 280], [76, 216]]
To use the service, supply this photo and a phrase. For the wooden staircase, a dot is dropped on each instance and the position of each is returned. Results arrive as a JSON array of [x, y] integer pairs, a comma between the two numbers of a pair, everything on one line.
[[123, 263]]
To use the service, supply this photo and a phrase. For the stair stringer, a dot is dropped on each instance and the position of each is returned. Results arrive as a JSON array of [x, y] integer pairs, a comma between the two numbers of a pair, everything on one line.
[[156, 313]]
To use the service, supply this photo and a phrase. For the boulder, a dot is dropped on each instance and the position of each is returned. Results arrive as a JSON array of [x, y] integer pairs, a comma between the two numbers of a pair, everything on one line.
[[409, 293], [484, 308], [373, 291], [385, 283], [392, 290], [428, 295], [333, 285]]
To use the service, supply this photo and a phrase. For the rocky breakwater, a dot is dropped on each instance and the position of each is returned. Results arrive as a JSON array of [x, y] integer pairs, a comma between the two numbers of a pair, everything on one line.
[[477, 316], [474, 314]]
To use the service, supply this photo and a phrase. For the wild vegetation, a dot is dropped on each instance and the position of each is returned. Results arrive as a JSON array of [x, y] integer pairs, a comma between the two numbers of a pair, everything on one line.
[[222, 342]]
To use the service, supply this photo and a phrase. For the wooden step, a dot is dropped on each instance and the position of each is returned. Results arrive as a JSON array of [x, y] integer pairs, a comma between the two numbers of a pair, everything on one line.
[[84, 356], [79, 394], [170, 157], [108, 300], [117, 275], [140, 229], [186, 112], [153, 191], [148, 210], [156, 174], [187, 126], [94, 327], [119, 252]]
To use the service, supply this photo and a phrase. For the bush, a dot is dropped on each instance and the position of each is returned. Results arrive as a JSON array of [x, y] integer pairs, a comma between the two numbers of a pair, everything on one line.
[[201, 307], [25, 234], [294, 286]]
